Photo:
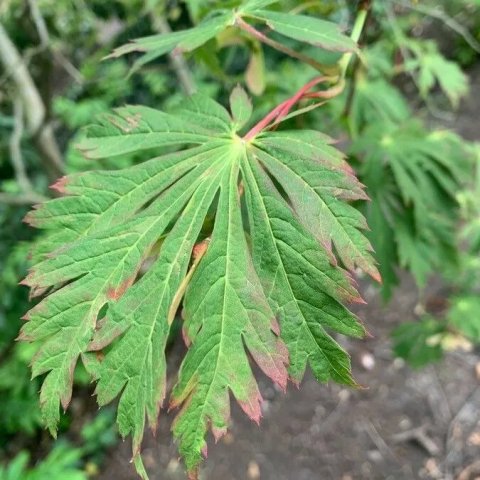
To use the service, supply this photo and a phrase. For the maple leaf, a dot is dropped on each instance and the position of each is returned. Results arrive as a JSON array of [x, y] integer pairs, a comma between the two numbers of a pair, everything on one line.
[[433, 68], [302, 28], [413, 184], [276, 299]]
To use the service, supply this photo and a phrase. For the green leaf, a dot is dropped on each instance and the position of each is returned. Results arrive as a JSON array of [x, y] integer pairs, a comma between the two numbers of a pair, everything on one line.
[[414, 182], [303, 28], [181, 41], [432, 68], [60, 464], [411, 341], [305, 290], [463, 315], [124, 247], [252, 5], [241, 106], [436, 68], [224, 307], [375, 102], [316, 179]]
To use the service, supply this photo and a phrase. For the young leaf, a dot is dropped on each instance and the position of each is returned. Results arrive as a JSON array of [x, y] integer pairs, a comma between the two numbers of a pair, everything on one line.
[[241, 106], [255, 72], [181, 41], [303, 28], [135, 241]]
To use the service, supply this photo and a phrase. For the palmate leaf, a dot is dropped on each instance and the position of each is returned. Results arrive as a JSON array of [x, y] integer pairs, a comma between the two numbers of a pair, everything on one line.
[[303, 28], [431, 67], [125, 246], [413, 182]]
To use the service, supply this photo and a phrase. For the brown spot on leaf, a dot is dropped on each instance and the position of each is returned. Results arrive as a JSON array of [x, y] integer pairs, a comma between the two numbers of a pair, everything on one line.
[[114, 293], [133, 121]]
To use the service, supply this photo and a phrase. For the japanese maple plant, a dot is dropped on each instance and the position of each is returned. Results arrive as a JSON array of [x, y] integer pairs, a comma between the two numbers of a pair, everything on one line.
[[246, 232]]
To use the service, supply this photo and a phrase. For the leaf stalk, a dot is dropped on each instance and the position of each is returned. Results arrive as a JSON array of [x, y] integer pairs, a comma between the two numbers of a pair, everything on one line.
[[280, 112]]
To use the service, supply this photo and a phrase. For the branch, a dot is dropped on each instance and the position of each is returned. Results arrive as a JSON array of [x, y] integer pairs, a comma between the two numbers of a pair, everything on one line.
[[28, 194], [45, 42], [33, 106], [359, 25], [177, 60], [39, 23], [15, 150]]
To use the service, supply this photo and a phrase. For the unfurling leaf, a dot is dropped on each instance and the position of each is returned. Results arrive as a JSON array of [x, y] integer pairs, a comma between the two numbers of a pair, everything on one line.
[[241, 107], [125, 246], [255, 72]]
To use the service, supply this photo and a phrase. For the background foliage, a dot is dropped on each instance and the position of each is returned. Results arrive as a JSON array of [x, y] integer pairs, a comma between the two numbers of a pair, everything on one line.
[[423, 181]]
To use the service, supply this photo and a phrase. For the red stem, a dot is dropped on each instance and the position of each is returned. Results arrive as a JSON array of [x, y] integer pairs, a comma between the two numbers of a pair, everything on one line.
[[246, 27], [282, 110]]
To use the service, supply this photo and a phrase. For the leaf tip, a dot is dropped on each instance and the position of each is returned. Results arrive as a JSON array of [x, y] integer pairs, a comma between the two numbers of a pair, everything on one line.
[[60, 185], [25, 282]]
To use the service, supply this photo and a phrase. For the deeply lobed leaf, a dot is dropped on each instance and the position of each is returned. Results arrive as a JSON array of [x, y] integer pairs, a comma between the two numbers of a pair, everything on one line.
[[413, 184], [302, 28], [126, 246]]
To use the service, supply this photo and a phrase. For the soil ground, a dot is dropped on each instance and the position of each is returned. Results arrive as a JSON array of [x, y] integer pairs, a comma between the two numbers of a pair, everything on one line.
[[404, 425]]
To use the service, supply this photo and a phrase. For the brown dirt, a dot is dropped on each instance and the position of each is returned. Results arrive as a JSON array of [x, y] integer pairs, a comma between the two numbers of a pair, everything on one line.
[[330, 432]]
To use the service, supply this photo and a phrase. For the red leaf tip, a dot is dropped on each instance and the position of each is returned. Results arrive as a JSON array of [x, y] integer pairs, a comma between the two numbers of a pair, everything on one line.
[[60, 185], [25, 281]]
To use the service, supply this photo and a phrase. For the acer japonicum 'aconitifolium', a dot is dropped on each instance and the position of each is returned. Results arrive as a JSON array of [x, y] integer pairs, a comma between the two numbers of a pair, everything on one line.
[[271, 283]]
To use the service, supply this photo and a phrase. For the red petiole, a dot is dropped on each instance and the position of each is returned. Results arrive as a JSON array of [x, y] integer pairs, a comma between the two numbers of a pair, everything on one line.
[[282, 110]]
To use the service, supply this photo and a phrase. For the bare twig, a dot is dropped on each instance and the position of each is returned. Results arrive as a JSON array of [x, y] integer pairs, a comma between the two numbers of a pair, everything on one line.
[[21, 198], [28, 54], [14, 66], [15, 150], [39, 23], [420, 436], [45, 43], [33, 106], [463, 422], [177, 60], [28, 194], [379, 442], [436, 396], [468, 472]]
